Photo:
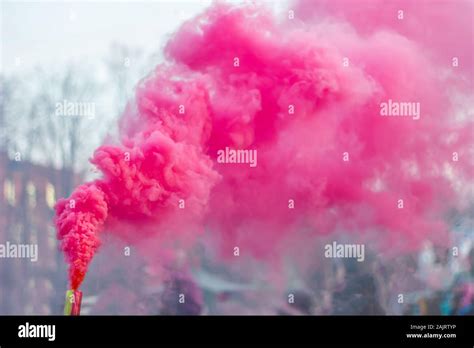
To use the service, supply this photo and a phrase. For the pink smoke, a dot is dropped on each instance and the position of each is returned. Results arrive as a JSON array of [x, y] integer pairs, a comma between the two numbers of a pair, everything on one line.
[[200, 102]]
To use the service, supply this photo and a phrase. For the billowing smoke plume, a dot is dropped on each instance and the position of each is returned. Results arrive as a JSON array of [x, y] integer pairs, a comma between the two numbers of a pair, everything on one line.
[[301, 93]]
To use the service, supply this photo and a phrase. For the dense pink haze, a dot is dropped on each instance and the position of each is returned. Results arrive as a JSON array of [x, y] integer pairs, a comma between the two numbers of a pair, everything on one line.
[[284, 64]]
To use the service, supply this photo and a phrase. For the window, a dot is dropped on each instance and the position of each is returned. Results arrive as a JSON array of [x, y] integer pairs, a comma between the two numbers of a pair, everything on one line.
[[50, 195], [17, 233], [52, 238], [31, 192], [9, 191]]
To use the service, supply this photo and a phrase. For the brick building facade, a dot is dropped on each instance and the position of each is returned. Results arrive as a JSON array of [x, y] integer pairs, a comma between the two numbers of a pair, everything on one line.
[[27, 197]]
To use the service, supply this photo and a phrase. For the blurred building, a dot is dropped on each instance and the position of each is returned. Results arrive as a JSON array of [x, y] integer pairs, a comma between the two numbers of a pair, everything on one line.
[[28, 194]]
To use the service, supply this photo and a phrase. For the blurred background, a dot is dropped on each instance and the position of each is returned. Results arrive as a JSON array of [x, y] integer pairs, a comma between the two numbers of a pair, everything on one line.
[[63, 52], [95, 53]]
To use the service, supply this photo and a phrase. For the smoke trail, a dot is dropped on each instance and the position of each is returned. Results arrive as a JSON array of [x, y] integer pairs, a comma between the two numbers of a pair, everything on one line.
[[305, 94], [80, 219]]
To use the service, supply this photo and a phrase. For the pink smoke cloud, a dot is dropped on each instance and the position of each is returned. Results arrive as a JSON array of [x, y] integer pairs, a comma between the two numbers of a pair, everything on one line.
[[231, 78]]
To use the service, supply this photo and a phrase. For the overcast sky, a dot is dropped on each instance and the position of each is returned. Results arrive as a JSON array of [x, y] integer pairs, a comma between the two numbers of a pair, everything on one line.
[[56, 32], [52, 33]]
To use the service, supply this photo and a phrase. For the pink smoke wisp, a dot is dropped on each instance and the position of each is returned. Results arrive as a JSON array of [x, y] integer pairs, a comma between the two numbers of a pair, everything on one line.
[[164, 157]]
